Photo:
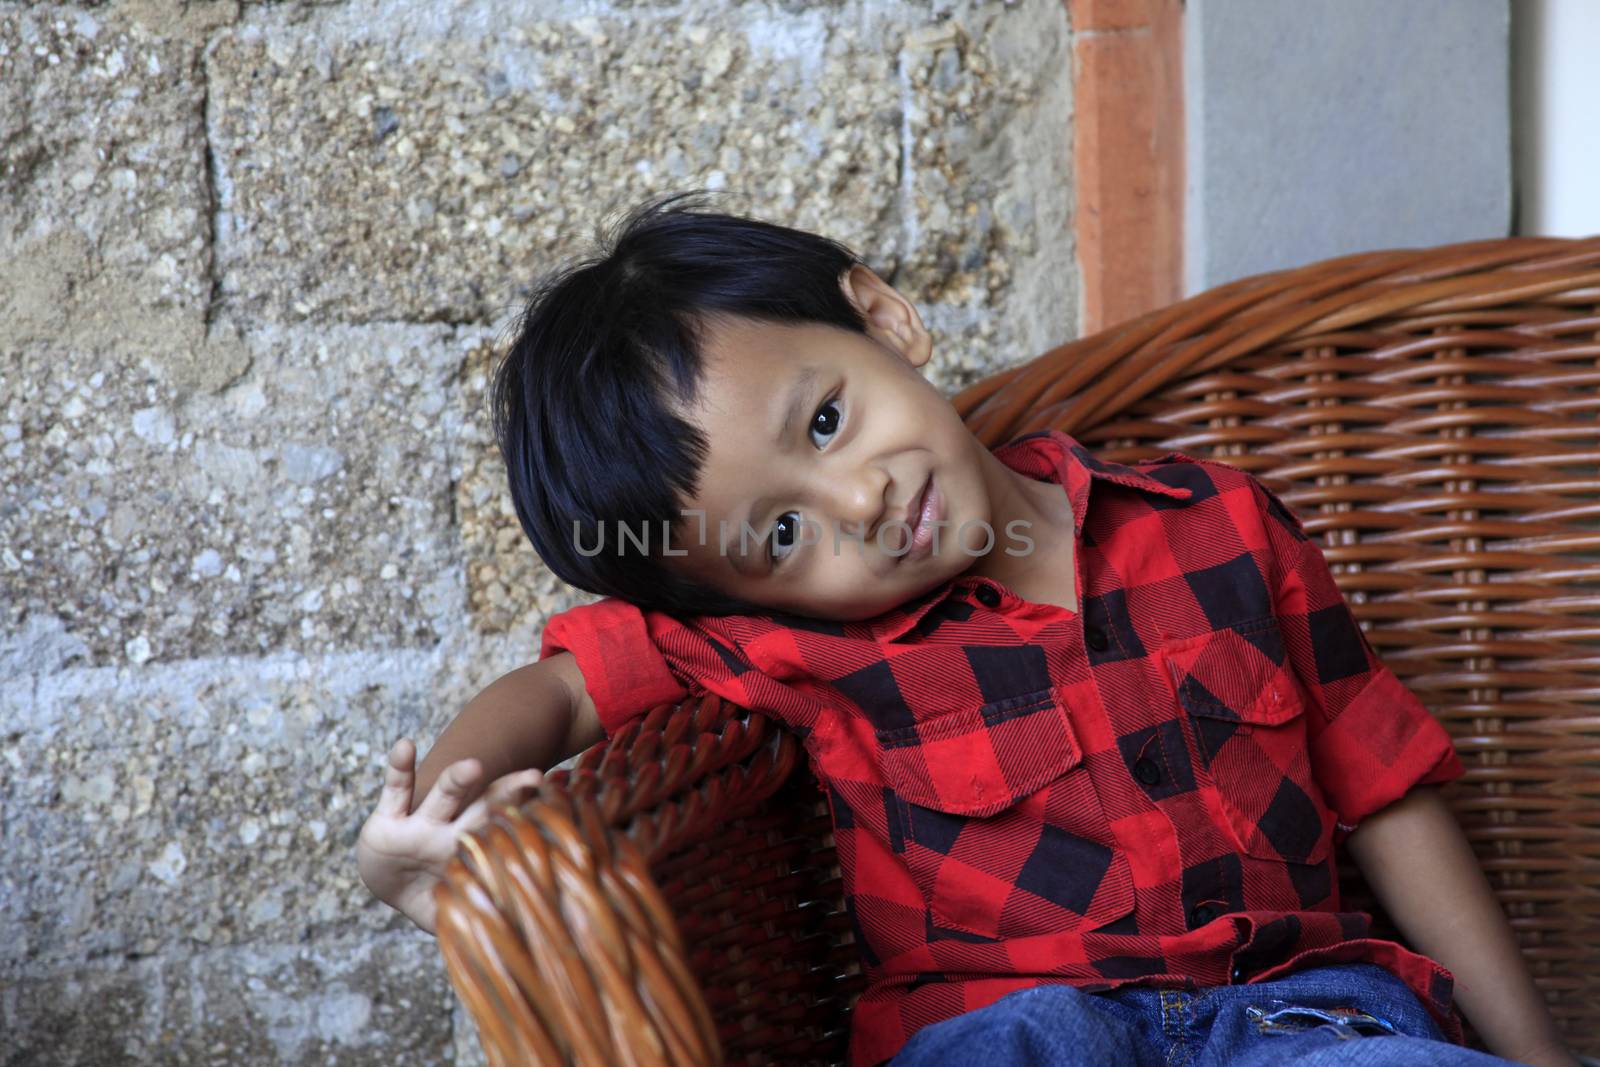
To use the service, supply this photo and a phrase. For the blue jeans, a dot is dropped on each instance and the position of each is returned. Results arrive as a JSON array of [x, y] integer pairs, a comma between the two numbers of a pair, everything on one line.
[[1350, 1015]]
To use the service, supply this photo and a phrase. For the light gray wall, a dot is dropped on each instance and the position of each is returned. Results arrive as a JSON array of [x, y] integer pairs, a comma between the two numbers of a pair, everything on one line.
[[1323, 127], [1557, 101]]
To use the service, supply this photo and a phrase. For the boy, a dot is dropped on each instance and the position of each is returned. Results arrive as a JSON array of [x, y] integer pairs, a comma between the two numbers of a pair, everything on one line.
[[1088, 731]]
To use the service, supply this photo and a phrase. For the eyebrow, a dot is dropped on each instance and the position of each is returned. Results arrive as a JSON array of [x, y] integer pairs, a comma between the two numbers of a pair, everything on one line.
[[797, 394]]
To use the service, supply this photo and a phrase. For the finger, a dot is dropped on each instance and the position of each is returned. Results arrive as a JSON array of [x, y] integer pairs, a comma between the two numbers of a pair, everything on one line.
[[475, 817], [511, 788], [399, 778], [456, 785]]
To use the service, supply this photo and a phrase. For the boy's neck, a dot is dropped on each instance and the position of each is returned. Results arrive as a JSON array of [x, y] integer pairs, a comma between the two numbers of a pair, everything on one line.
[[1048, 573]]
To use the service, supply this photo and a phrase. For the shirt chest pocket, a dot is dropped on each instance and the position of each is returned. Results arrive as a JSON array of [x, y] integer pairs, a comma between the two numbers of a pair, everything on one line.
[[1248, 723], [1000, 826]]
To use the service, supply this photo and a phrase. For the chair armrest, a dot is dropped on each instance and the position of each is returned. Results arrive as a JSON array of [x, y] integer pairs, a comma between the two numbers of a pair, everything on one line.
[[564, 923]]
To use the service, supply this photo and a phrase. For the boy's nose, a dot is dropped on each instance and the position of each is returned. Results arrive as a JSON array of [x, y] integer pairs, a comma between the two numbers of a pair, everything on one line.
[[857, 500]]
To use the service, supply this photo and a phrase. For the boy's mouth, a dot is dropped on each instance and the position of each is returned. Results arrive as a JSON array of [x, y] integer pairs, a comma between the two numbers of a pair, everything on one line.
[[924, 512]]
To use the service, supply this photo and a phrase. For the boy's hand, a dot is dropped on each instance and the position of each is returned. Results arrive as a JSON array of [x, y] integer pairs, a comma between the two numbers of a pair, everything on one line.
[[402, 853]]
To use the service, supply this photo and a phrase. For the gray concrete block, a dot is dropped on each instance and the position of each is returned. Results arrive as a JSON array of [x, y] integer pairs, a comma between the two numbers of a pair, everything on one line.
[[197, 805], [305, 506], [444, 175], [105, 232], [341, 1001]]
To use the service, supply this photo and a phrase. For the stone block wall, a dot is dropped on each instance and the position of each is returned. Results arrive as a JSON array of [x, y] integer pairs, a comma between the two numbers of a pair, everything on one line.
[[255, 262]]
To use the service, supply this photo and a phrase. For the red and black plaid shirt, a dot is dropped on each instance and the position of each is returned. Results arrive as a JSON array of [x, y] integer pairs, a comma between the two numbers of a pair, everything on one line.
[[1146, 792]]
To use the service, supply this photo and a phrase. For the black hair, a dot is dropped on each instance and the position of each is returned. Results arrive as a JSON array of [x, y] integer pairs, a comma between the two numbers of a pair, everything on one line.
[[584, 399]]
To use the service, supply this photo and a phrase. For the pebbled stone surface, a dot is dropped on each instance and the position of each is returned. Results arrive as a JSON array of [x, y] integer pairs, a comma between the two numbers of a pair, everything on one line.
[[256, 262]]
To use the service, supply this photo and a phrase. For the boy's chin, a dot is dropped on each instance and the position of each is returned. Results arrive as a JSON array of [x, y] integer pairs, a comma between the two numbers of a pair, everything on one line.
[[854, 612], [861, 612]]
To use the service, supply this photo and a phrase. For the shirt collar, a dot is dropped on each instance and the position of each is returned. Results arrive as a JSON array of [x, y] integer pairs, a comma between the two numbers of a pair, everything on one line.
[[1050, 455]]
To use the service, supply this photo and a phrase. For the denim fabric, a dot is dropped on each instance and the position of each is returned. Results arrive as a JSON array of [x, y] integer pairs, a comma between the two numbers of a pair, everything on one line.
[[1351, 1015]]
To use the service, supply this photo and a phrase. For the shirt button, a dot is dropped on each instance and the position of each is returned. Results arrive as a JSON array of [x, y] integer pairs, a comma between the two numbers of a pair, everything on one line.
[[1238, 974], [988, 597], [1095, 638], [1147, 772], [1201, 915]]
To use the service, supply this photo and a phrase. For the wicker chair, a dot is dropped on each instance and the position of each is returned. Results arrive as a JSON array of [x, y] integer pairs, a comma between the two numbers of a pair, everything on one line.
[[1432, 417]]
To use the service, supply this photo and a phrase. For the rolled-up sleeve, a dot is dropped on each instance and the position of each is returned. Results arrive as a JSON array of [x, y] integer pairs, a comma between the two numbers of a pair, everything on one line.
[[623, 671], [633, 660], [1371, 740]]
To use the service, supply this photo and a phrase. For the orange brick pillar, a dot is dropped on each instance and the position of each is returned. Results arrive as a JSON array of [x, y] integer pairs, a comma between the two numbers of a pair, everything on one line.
[[1127, 156]]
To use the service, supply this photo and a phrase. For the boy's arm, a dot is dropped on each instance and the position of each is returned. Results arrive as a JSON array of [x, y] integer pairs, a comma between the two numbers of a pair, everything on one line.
[[525, 722], [535, 716], [1422, 868]]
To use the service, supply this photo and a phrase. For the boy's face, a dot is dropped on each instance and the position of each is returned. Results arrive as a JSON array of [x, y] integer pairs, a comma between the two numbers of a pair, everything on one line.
[[838, 454]]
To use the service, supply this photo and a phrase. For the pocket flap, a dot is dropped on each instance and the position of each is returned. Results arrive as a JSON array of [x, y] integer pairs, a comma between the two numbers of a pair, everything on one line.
[[1240, 674], [982, 760]]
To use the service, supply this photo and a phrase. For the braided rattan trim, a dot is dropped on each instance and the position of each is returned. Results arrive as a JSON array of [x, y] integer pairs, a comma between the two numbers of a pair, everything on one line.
[[1084, 382]]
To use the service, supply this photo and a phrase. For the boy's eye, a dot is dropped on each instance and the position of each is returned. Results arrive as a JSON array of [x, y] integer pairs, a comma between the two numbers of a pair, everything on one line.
[[825, 423], [784, 532]]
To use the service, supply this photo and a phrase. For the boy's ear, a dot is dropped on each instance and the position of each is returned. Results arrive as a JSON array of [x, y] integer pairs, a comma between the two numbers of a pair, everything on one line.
[[891, 319]]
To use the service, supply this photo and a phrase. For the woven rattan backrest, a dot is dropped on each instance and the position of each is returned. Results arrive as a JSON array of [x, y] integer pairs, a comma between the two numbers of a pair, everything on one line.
[[1432, 418]]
